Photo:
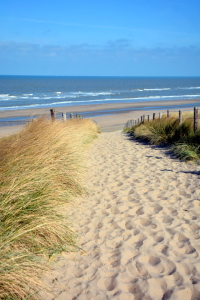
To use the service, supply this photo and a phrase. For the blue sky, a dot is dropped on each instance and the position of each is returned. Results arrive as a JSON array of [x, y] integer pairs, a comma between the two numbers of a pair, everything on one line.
[[100, 38]]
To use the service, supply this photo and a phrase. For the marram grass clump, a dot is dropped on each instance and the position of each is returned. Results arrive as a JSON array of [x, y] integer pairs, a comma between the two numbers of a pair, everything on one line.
[[41, 169], [185, 143]]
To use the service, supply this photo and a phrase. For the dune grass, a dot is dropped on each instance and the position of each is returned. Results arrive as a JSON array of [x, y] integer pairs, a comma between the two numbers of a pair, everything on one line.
[[185, 143], [41, 169]]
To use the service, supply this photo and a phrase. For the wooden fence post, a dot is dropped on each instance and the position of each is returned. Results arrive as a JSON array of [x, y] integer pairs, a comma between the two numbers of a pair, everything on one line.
[[144, 118], [180, 118], [154, 116], [71, 116], [160, 115], [52, 111], [168, 115], [195, 119], [64, 116], [148, 118]]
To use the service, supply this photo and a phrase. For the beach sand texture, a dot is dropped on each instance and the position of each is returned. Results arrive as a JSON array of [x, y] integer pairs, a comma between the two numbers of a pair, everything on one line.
[[139, 227]]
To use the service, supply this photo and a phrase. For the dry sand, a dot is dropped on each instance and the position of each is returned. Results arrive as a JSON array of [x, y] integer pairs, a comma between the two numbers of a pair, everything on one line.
[[139, 227]]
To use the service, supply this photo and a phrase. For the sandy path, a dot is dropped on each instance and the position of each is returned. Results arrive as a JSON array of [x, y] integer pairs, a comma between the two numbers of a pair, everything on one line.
[[139, 227]]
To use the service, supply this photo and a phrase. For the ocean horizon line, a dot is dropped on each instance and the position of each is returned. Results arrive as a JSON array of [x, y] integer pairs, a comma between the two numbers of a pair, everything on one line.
[[104, 76]]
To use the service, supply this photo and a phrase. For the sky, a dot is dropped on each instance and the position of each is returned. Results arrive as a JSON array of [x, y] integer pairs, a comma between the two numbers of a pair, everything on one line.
[[100, 37]]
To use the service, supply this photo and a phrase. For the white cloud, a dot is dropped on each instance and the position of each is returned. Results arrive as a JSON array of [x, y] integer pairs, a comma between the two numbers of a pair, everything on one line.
[[118, 49]]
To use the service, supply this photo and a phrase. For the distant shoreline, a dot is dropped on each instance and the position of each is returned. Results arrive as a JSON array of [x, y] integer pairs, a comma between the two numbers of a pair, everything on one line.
[[101, 113], [113, 108]]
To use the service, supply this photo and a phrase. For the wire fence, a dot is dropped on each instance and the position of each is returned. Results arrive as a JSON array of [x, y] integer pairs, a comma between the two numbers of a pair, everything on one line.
[[64, 116], [10, 121], [23, 120], [169, 113]]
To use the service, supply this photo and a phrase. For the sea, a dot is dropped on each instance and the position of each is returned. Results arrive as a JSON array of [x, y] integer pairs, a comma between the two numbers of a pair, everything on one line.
[[27, 92]]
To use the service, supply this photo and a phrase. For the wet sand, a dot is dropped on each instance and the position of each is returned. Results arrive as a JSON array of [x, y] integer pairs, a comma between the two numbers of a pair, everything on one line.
[[110, 117]]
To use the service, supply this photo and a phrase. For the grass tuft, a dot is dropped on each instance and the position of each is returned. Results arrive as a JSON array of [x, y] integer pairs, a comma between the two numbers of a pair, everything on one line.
[[185, 142], [41, 169]]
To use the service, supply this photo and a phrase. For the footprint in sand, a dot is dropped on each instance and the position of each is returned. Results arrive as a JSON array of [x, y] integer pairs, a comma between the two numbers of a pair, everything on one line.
[[153, 264], [145, 222], [140, 211], [158, 239], [139, 228], [168, 220], [106, 284]]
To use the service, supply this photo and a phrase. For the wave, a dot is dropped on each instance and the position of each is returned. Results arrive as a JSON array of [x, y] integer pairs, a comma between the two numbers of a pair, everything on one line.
[[148, 90], [92, 94], [167, 89], [135, 90], [158, 89], [58, 95], [4, 95], [169, 97], [131, 98], [89, 102], [86, 96]]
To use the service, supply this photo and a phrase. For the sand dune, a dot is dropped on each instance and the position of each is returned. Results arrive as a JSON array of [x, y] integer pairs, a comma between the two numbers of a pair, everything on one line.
[[139, 227]]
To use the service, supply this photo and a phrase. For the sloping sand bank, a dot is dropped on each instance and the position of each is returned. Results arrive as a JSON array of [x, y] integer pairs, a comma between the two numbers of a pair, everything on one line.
[[139, 227]]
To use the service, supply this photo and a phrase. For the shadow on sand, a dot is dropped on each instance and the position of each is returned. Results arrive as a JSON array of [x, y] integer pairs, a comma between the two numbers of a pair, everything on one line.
[[165, 149]]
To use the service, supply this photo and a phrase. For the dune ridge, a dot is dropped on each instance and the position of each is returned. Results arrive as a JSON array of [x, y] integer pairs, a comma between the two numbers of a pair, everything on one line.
[[139, 227]]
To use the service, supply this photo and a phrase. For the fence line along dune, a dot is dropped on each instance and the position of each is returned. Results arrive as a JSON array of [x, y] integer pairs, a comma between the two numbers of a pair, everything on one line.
[[181, 131], [41, 169]]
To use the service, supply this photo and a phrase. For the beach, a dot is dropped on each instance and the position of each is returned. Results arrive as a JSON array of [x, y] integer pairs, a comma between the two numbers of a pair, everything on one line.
[[138, 228], [110, 117], [100, 150]]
